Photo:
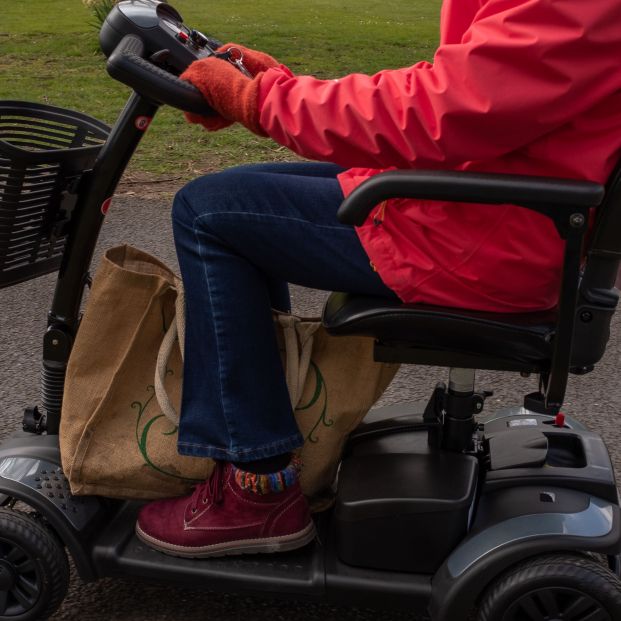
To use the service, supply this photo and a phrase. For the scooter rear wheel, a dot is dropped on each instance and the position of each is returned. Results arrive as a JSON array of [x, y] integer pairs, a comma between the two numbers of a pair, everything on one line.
[[34, 571], [559, 587]]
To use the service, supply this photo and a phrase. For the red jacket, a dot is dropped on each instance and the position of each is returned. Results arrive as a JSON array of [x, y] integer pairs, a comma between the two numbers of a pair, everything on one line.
[[516, 86]]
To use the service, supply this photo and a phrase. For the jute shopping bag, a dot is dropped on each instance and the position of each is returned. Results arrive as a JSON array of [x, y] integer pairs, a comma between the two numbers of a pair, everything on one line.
[[333, 382], [114, 439], [120, 410]]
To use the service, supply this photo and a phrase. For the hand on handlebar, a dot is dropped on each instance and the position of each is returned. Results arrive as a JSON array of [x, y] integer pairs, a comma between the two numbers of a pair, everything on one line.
[[230, 93]]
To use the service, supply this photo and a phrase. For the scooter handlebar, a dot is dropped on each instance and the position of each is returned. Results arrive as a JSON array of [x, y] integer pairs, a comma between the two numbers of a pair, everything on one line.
[[128, 65]]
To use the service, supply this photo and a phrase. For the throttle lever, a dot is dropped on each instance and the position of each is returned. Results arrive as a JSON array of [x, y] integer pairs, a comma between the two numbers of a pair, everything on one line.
[[160, 57]]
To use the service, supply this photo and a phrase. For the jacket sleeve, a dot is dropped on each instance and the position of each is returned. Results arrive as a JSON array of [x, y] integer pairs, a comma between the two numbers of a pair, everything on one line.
[[522, 69]]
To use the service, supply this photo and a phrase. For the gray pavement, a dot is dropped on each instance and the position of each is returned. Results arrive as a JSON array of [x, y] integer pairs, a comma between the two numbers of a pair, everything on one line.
[[144, 222]]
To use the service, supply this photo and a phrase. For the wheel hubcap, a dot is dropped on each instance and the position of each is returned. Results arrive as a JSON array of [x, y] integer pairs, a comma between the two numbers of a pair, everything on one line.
[[556, 604], [7, 576], [20, 585]]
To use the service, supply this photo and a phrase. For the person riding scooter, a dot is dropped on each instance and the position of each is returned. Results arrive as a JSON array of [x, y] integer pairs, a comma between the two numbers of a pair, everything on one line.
[[516, 86]]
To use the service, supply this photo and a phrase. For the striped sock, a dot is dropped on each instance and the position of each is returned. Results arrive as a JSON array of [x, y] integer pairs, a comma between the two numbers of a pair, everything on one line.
[[268, 483]]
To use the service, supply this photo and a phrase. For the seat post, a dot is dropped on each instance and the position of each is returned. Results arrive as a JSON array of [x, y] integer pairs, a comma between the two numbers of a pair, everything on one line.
[[461, 380], [461, 405]]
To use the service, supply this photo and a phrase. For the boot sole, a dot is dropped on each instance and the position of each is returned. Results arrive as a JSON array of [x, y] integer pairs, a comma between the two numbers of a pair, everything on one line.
[[283, 543]]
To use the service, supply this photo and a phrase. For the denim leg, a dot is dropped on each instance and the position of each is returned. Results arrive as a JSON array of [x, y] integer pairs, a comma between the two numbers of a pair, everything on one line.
[[241, 236]]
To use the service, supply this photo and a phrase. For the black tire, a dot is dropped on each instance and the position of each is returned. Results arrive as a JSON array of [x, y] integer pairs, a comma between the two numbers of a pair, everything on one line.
[[559, 587], [34, 571]]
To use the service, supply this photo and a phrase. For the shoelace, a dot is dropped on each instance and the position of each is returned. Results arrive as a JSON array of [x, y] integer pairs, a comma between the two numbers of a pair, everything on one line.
[[212, 488]]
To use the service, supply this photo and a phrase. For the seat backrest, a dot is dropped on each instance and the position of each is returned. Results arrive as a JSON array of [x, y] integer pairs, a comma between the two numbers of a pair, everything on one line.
[[597, 297], [605, 242]]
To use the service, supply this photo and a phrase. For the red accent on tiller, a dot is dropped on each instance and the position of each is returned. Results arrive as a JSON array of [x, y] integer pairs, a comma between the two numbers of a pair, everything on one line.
[[106, 205], [142, 122], [559, 420]]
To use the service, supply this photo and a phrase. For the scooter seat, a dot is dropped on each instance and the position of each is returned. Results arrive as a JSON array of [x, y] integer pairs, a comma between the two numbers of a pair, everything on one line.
[[426, 334]]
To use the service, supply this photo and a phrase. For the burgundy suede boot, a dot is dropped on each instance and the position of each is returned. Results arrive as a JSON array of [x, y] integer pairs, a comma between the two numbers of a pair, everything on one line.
[[222, 518]]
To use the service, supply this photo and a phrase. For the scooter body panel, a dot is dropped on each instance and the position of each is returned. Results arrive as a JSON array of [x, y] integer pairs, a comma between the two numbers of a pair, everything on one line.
[[31, 472], [506, 524], [513, 525]]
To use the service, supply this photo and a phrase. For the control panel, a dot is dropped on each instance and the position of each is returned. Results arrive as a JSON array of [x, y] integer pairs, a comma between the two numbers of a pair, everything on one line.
[[169, 43]]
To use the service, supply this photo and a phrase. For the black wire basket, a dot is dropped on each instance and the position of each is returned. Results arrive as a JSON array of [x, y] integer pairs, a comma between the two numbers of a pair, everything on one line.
[[44, 151]]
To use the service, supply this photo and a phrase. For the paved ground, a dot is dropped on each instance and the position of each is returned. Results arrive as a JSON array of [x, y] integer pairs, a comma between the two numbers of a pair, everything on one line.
[[145, 223]]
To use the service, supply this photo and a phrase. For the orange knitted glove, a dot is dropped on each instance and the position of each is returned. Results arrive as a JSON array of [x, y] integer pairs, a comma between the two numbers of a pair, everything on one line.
[[253, 60], [230, 93], [210, 123]]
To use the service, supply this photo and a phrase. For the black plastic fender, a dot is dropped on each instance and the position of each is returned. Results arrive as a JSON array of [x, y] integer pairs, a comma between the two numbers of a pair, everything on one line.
[[30, 471], [515, 524]]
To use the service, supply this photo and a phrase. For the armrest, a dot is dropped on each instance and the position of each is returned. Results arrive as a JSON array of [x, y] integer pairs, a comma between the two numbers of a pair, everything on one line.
[[552, 197], [565, 201]]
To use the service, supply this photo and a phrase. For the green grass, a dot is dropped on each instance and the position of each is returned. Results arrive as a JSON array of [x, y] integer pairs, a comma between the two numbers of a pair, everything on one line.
[[48, 53]]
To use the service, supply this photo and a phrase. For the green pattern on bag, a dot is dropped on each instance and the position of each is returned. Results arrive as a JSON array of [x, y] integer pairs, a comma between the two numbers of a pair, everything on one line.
[[320, 388], [142, 437]]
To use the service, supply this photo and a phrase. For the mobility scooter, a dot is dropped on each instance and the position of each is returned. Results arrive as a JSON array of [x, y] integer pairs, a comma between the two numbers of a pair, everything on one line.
[[438, 509]]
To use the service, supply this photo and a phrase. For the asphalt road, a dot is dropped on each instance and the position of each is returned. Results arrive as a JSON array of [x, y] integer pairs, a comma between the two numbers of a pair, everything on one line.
[[144, 222]]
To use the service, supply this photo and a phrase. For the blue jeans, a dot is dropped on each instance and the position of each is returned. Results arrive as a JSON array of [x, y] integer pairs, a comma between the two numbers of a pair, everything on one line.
[[241, 236]]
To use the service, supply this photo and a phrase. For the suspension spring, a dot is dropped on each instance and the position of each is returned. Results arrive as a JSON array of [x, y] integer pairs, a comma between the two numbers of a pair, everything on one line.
[[52, 388]]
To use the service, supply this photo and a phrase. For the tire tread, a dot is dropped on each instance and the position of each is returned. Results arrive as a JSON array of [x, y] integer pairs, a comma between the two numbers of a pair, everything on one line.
[[27, 532], [593, 576]]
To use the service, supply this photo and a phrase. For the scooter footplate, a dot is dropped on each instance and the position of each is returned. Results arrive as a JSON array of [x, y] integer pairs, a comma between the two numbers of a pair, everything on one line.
[[119, 552]]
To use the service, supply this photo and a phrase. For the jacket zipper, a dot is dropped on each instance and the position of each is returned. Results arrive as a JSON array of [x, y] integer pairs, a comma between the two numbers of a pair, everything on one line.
[[379, 216]]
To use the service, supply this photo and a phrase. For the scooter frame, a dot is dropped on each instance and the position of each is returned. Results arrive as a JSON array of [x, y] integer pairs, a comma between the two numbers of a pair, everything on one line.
[[96, 532]]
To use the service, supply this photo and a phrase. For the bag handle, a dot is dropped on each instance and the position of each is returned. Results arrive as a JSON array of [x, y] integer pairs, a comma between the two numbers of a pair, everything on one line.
[[297, 355], [297, 359], [175, 332]]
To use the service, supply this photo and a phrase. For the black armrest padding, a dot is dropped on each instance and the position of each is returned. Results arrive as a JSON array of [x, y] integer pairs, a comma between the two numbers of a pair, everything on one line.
[[544, 194]]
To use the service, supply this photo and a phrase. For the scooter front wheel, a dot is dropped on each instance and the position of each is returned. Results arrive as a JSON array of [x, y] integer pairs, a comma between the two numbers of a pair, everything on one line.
[[554, 587], [34, 571]]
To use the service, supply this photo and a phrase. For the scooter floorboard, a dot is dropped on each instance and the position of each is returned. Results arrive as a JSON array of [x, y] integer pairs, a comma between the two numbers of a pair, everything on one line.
[[313, 572], [118, 551]]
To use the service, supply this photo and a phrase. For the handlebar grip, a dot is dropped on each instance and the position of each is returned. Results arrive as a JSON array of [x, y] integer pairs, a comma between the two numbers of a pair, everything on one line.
[[127, 65]]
